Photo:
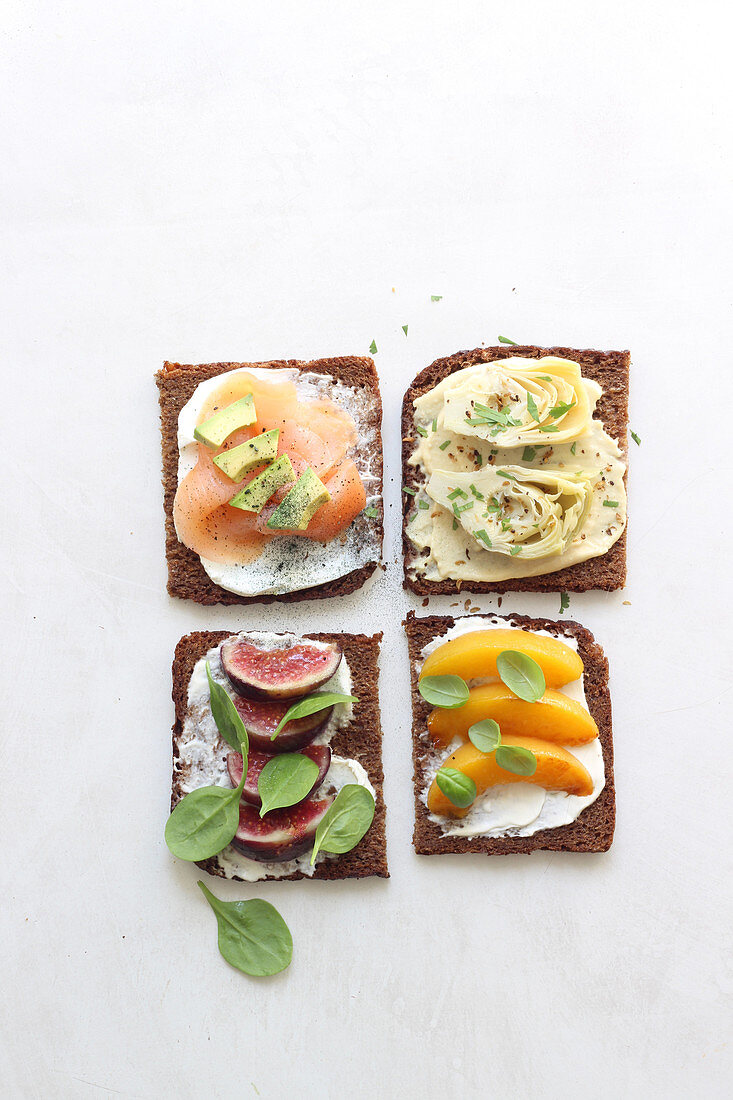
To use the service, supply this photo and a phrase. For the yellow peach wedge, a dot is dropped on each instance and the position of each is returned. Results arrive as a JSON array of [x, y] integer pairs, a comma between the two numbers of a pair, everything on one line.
[[554, 717], [473, 656], [557, 770]]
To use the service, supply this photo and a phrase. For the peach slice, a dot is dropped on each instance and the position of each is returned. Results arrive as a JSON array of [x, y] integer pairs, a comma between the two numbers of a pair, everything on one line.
[[557, 770], [554, 717], [473, 656]]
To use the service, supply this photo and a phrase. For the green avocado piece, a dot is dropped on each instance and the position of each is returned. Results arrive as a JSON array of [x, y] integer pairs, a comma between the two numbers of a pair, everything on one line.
[[256, 493], [297, 509], [238, 461], [218, 427]]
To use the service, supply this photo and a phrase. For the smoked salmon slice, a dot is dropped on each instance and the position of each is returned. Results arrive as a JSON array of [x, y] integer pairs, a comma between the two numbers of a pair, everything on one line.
[[315, 433]]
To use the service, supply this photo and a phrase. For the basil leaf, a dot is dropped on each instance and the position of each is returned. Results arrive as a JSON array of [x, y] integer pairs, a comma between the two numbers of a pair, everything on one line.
[[514, 758], [205, 820], [253, 937], [286, 780], [319, 700], [521, 674], [345, 822], [444, 691], [486, 735], [458, 788], [225, 714], [506, 340]]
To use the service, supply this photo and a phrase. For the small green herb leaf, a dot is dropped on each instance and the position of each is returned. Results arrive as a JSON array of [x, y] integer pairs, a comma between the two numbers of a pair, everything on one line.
[[444, 444], [561, 409], [404, 329], [548, 428], [486, 735], [436, 297], [515, 550], [319, 700], [572, 449], [564, 602], [521, 674], [421, 431], [528, 454], [448, 692], [286, 780], [636, 439], [406, 489], [253, 937], [373, 348], [458, 788], [345, 822], [506, 340], [532, 407], [371, 512], [225, 714], [514, 758], [610, 504]]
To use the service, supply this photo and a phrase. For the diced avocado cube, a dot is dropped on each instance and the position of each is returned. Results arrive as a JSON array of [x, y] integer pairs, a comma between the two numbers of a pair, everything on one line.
[[238, 461], [220, 426], [256, 493], [297, 509]]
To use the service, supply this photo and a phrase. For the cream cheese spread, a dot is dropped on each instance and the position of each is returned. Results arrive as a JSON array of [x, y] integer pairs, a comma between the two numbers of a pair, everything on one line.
[[513, 497], [202, 757], [515, 809], [292, 564]]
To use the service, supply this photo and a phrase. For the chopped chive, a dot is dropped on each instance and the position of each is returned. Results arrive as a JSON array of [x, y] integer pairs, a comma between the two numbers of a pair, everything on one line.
[[528, 454], [371, 511], [503, 473], [515, 550], [476, 493], [610, 504], [373, 348], [455, 524], [444, 444], [564, 602], [572, 449], [463, 507], [405, 489], [479, 459], [457, 493], [423, 431], [435, 297], [506, 524], [506, 340], [435, 424], [636, 439], [484, 536], [423, 504], [404, 329]]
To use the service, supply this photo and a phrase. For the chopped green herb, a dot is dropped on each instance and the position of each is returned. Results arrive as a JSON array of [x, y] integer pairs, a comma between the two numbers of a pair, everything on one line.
[[506, 524], [545, 377], [404, 329], [410, 491], [548, 428], [564, 602], [457, 493], [494, 506], [455, 524], [561, 409], [435, 297], [423, 431], [532, 407], [610, 504], [463, 507], [636, 439], [373, 348], [515, 550], [423, 504], [503, 473], [572, 449], [371, 511], [483, 535], [434, 425], [479, 459], [494, 452], [506, 340], [444, 444], [528, 454], [476, 493]]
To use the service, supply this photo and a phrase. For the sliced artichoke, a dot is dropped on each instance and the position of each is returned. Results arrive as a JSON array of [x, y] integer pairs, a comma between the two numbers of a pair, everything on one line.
[[532, 513]]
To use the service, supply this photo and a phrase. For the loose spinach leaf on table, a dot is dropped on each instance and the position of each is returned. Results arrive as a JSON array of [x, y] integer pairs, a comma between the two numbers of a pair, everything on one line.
[[253, 936]]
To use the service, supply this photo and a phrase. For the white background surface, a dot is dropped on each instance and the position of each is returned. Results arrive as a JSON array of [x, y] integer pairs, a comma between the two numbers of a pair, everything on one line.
[[241, 181]]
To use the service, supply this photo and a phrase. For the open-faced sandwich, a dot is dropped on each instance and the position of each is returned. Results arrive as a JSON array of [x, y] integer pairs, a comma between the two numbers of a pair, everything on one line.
[[272, 475], [514, 467], [512, 739], [277, 765]]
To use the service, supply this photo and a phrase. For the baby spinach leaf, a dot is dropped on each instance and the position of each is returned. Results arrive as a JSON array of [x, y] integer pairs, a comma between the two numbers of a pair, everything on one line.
[[514, 758], [486, 735], [458, 788], [319, 700], [345, 822], [444, 691], [286, 780], [521, 674], [253, 937], [225, 714], [205, 820]]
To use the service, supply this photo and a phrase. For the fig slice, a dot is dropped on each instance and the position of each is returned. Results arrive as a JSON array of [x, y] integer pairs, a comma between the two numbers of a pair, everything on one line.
[[261, 718], [280, 834], [285, 672], [319, 754]]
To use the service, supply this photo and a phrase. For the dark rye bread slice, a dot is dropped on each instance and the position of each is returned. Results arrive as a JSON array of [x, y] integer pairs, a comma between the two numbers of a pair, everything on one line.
[[361, 740], [593, 830], [610, 369], [187, 578]]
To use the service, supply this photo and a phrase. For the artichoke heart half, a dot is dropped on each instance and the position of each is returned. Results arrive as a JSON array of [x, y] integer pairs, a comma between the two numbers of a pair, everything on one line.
[[518, 511], [518, 401]]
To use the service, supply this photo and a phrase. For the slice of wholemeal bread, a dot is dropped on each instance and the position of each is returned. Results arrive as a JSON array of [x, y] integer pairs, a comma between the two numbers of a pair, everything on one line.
[[593, 830], [361, 740], [610, 369], [176, 383]]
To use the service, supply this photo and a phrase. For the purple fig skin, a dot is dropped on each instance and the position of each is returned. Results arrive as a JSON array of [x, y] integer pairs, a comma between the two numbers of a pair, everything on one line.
[[278, 673], [319, 754], [281, 834], [261, 719]]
